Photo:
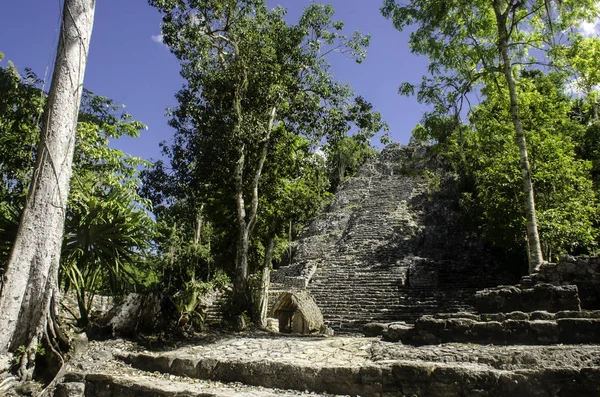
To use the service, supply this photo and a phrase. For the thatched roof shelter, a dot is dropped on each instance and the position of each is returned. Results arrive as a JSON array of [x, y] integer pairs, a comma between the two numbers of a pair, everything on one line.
[[297, 312]]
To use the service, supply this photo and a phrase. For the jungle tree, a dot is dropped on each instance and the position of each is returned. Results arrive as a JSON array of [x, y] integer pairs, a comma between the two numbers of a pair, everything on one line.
[[30, 284], [468, 39], [105, 217], [566, 202], [247, 72]]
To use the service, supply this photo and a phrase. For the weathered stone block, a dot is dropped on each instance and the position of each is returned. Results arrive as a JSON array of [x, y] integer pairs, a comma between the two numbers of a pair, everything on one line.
[[136, 313], [493, 317], [371, 377], [148, 362], [425, 338], [75, 377], [466, 315], [374, 329], [541, 315], [517, 316], [70, 389], [579, 330], [541, 297], [406, 373], [544, 332], [518, 332], [205, 368], [185, 366], [430, 324], [397, 332], [490, 332], [458, 330], [571, 314], [339, 380]]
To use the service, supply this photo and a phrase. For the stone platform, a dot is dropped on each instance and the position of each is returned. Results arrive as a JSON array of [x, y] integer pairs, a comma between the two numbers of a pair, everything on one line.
[[263, 365]]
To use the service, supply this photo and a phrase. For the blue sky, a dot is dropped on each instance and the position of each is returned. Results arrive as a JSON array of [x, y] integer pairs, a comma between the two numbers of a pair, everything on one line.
[[127, 65]]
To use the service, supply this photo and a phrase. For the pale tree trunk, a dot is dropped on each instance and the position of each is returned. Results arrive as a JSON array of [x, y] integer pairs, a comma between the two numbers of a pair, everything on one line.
[[263, 293], [241, 260], [341, 169], [589, 91], [30, 286], [290, 242], [246, 221], [533, 240], [198, 226]]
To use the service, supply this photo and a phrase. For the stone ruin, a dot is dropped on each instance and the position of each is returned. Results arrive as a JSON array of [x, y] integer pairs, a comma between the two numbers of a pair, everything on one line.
[[543, 309], [391, 246], [391, 257]]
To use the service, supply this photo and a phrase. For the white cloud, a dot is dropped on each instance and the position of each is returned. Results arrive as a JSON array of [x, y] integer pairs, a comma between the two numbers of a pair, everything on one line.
[[576, 88], [573, 88], [157, 38], [590, 28]]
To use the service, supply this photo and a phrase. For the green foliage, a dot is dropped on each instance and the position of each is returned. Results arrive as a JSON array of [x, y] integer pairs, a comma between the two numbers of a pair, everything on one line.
[[473, 44], [21, 105], [344, 156], [108, 228], [180, 259], [107, 235], [566, 202], [461, 41], [254, 85], [295, 186]]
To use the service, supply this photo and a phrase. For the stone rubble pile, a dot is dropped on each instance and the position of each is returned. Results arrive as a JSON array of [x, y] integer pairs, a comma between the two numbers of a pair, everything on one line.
[[533, 312]]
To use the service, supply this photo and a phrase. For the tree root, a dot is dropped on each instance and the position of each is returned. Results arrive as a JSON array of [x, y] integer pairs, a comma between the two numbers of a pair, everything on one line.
[[7, 383], [50, 341], [54, 338]]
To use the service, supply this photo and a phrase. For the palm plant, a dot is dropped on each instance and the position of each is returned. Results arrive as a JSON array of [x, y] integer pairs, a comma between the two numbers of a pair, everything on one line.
[[108, 231]]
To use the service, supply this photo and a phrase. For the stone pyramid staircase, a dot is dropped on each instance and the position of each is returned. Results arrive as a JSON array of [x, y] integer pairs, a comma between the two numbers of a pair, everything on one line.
[[389, 247]]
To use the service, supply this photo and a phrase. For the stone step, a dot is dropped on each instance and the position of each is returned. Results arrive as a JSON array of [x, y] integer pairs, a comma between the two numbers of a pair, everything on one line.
[[146, 385], [392, 378], [363, 295], [565, 331]]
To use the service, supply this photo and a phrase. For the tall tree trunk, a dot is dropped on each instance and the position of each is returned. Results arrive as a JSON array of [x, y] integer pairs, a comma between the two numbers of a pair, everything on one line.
[[533, 240], [594, 105], [198, 226], [30, 286], [263, 294], [241, 260], [246, 221]]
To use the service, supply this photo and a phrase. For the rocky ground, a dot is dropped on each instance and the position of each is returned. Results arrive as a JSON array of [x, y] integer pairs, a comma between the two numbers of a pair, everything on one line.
[[107, 359], [103, 358]]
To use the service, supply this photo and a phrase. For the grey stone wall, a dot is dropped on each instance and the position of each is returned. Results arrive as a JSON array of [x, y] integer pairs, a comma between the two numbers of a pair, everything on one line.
[[582, 271]]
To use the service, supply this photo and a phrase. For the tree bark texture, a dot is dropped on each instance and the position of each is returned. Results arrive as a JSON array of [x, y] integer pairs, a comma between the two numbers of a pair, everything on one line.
[[241, 262], [30, 283], [533, 240], [263, 300], [247, 220]]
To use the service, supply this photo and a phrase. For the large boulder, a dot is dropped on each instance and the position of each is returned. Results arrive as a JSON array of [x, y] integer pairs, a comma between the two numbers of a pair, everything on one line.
[[137, 313]]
